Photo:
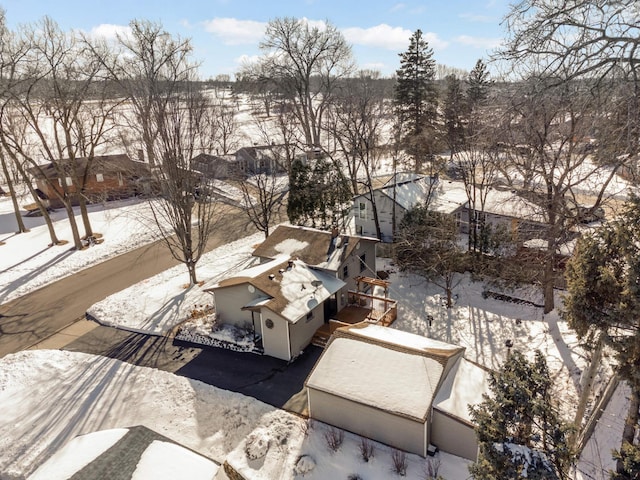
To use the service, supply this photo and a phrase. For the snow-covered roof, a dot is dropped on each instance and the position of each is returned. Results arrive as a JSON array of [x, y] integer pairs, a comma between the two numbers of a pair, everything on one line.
[[370, 374], [448, 197], [509, 204], [409, 193], [401, 338], [139, 450], [290, 287], [463, 387], [445, 354], [402, 177], [318, 248]]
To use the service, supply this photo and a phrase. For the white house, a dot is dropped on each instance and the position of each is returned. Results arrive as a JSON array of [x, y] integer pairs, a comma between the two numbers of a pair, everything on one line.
[[300, 282], [500, 207], [282, 300], [401, 389], [400, 194]]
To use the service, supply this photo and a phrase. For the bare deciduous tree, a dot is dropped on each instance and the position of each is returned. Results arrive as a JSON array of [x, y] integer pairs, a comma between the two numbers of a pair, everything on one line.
[[305, 61], [262, 195], [65, 113], [546, 129], [181, 122], [148, 64], [355, 121]]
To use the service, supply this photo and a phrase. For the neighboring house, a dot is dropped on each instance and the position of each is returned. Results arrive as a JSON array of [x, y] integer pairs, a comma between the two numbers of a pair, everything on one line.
[[133, 452], [504, 208], [214, 166], [401, 193], [301, 282], [407, 391], [108, 177], [260, 159]]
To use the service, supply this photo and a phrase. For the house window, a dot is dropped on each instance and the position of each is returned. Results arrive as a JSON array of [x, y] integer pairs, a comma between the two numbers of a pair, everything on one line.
[[345, 272], [67, 181], [359, 229], [120, 179], [363, 262], [362, 207], [310, 316], [99, 177]]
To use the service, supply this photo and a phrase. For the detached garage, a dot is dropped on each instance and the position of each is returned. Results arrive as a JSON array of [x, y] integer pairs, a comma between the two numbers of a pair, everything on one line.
[[401, 389]]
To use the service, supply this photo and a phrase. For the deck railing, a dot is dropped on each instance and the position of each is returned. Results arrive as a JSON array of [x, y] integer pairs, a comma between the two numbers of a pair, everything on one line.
[[386, 315]]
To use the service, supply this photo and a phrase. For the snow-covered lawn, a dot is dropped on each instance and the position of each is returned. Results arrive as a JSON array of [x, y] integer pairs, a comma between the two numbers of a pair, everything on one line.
[[28, 263]]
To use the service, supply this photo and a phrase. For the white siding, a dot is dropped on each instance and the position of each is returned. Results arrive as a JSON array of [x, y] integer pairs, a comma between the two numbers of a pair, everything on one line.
[[229, 302], [385, 427], [275, 340], [367, 227], [303, 330], [453, 436]]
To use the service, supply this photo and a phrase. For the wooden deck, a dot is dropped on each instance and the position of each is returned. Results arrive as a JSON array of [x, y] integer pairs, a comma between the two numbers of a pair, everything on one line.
[[354, 313]]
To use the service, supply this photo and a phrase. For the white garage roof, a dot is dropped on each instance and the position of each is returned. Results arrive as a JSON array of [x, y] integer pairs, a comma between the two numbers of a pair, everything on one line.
[[390, 380], [462, 388]]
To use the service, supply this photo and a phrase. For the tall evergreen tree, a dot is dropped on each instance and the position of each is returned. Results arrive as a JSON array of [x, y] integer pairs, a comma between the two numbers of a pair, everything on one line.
[[520, 433], [416, 99], [453, 112], [603, 302], [478, 84], [318, 194], [300, 201]]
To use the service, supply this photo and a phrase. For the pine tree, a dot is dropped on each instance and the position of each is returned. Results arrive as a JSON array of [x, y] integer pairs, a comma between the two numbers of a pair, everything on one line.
[[519, 431], [478, 84], [453, 113], [416, 99], [603, 301], [317, 193], [300, 202]]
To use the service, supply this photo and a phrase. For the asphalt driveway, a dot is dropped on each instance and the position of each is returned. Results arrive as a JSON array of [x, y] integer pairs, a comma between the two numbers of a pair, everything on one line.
[[267, 379]]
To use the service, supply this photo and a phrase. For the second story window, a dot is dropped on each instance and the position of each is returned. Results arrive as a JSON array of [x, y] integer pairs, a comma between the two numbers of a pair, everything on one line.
[[362, 210]]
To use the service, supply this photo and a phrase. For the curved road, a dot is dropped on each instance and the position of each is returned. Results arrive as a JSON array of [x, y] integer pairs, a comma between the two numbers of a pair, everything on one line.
[[38, 315]]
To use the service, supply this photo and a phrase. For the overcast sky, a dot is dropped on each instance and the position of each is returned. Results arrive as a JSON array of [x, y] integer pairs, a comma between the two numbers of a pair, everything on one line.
[[225, 33]]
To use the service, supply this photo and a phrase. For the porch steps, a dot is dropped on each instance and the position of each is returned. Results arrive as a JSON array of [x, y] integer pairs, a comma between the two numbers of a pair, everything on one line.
[[320, 339]]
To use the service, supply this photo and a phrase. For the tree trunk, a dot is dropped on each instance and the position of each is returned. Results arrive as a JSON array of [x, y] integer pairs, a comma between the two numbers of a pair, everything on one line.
[[74, 226], [587, 385], [88, 231], [630, 425], [12, 192]]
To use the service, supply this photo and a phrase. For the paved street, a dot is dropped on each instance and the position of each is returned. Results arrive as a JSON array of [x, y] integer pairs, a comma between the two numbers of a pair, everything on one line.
[[35, 317]]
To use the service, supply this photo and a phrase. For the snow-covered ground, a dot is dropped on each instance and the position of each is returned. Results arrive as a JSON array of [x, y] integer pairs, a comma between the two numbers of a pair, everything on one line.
[[49, 397], [28, 263]]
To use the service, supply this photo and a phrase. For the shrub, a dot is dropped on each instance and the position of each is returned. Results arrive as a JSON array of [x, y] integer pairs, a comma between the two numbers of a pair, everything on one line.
[[334, 438], [366, 448], [306, 426], [399, 460], [354, 476], [431, 468]]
